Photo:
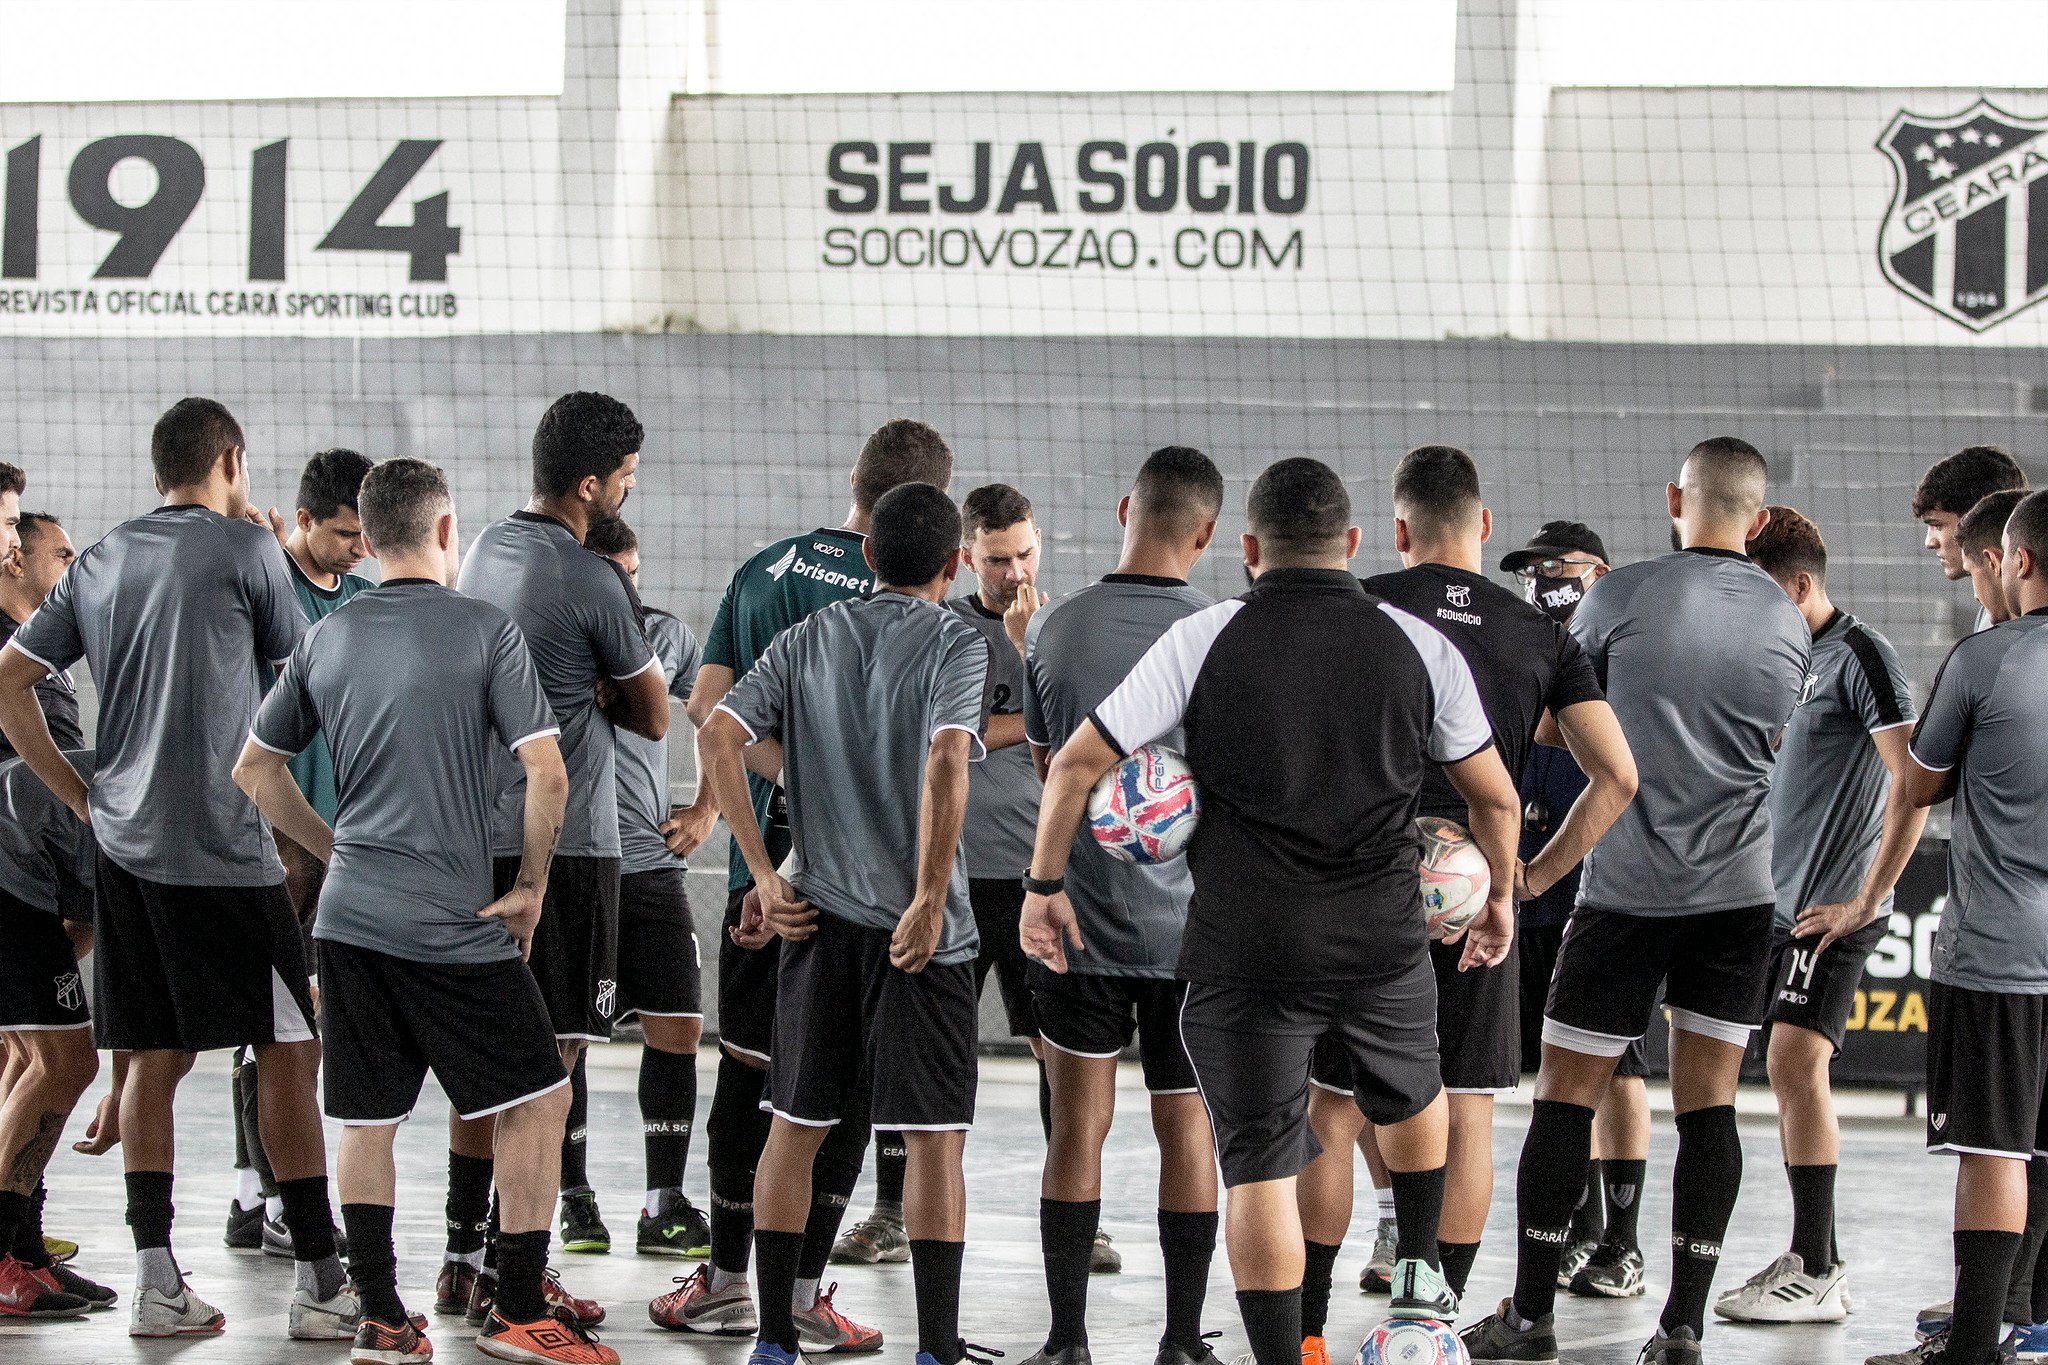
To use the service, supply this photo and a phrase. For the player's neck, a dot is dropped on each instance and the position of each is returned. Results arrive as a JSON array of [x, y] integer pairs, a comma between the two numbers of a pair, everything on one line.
[[1706, 535], [934, 591], [993, 608], [856, 521], [1818, 609], [568, 511], [427, 566], [295, 545], [2033, 595], [1451, 554], [15, 598], [1147, 557], [215, 495]]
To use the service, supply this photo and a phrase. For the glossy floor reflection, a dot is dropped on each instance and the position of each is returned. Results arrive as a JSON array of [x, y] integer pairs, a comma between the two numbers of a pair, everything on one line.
[[1894, 1213]]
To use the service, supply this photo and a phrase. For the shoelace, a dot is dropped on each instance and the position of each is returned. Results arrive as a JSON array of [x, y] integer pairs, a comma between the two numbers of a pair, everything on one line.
[[980, 1355]]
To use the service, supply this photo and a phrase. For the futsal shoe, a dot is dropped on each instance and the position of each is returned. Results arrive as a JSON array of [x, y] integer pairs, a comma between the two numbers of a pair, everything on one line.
[[483, 1296], [1315, 1351], [1679, 1346], [878, 1239], [245, 1229], [1783, 1292], [550, 1339], [1421, 1292], [377, 1343], [63, 1277], [1614, 1272], [24, 1293], [1104, 1259], [679, 1229], [582, 1229], [696, 1307], [452, 1287], [587, 1312], [1492, 1338], [2030, 1344], [1173, 1353], [1378, 1275], [825, 1330], [1576, 1257], [58, 1249], [1066, 1355], [334, 1319], [1934, 1351], [1932, 1319], [276, 1240], [153, 1313]]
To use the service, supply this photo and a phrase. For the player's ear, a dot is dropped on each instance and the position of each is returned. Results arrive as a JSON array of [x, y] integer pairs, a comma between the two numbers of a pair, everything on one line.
[[1756, 526], [1123, 510], [1351, 539], [953, 562], [303, 519], [1203, 536], [1674, 500], [233, 462], [1402, 540], [1485, 524], [588, 487], [1250, 545], [867, 551]]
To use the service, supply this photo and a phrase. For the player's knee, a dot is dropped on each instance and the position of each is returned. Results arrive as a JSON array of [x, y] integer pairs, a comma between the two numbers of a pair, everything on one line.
[[68, 1061]]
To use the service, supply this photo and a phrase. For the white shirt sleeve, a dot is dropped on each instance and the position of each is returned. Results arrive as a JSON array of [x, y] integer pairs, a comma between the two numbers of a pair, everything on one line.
[[1460, 728], [1154, 698]]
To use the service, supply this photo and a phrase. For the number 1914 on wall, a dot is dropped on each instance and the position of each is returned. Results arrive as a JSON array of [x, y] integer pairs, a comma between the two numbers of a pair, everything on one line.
[[146, 230]]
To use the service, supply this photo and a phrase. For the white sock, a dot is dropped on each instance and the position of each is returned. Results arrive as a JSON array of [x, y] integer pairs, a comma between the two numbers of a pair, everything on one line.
[[1386, 1198], [273, 1208], [651, 1205], [473, 1259], [721, 1278], [803, 1296], [248, 1189], [155, 1269]]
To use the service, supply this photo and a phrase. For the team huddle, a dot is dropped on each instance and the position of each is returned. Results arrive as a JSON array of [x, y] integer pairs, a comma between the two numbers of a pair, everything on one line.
[[363, 831]]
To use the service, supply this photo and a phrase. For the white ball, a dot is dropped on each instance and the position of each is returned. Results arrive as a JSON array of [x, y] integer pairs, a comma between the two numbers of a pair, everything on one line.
[[1402, 1341], [1144, 810], [1455, 876]]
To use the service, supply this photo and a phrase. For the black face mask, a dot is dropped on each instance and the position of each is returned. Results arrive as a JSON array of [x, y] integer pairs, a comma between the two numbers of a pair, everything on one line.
[[1557, 598]]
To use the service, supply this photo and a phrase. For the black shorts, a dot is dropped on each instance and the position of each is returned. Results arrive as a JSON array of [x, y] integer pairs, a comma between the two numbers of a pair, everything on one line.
[[1818, 993], [661, 975], [1714, 968], [387, 1021], [575, 956], [1478, 1022], [998, 910], [1986, 1054], [746, 988], [40, 989], [193, 968], [1251, 1051], [845, 1012], [1538, 952], [1089, 1015]]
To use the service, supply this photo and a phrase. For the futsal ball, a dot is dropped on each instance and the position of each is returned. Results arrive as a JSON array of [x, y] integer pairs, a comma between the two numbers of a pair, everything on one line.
[[1404, 1341], [1144, 809], [1455, 876]]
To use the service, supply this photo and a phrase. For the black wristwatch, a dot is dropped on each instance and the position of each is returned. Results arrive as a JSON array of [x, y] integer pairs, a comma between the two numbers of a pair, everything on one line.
[[1038, 887]]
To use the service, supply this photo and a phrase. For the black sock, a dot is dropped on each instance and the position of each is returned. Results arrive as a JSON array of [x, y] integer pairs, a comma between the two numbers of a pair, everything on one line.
[[1813, 1216], [2019, 1297], [1187, 1243], [28, 1236], [1624, 1182], [1705, 1178], [522, 1259], [834, 1173], [1457, 1258], [1319, 1263], [1547, 1184], [1044, 1101], [1983, 1270], [491, 1239], [13, 1213], [935, 1270], [149, 1208], [1418, 1209], [1272, 1324], [469, 1202], [892, 1159], [1066, 1238], [1589, 1219], [775, 1258], [308, 1217], [373, 1261], [668, 1110], [2038, 1284], [735, 1133], [576, 1129]]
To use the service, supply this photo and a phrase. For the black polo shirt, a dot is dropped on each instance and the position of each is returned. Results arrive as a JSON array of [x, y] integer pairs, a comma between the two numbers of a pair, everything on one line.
[[1312, 711]]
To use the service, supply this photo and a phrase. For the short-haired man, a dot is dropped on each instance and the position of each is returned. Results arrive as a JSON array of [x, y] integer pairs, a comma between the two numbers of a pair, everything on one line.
[[1678, 895], [419, 690], [180, 614], [579, 618], [1837, 851], [660, 970], [322, 548], [43, 551], [46, 876], [1981, 537], [1311, 710], [1949, 489], [873, 709], [776, 588], [1982, 741], [13, 483], [1089, 1005], [1527, 667]]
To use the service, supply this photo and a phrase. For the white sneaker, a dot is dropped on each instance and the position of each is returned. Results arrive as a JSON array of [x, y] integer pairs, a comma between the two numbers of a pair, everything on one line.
[[153, 1313], [1783, 1292], [334, 1319]]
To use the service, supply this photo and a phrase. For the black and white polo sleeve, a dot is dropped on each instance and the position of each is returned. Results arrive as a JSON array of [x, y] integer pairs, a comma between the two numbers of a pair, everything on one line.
[[1458, 726], [1153, 699]]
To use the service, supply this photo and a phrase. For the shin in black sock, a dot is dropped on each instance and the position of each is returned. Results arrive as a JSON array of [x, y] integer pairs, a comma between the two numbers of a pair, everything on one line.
[[1272, 1324], [308, 1216], [834, 1173], [1187, 1243], [736, 1133], [149, 1208], [775, 1260], [1813, 1216], [373, 1261], [1457, 1258], [1984, 1262], [1705, 1178], [522, 1260], [668, 1111], [1319, 1262], [1589, 1219], [1066, 1239], [576, 1129], [935, 1270], [892, 1159], [1418, 1211], [1624, 1185], [468, 1210], [1547, 1185]]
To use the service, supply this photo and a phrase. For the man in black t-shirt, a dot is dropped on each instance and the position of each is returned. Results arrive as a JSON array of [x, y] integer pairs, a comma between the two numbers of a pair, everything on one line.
[[1526, 666], [1306, 922]]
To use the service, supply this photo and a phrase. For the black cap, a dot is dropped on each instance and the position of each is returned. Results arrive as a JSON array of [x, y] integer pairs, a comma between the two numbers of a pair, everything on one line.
[[1554, 541]]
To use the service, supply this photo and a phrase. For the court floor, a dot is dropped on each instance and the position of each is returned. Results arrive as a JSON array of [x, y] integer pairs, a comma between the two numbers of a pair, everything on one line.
[[1894, 1203]]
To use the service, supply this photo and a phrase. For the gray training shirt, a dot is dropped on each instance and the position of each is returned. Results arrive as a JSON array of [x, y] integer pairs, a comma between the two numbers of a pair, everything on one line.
[[180, 615], [419, 690], [580, 622], [857, 692], [1827, 799], [643, 762], [1703, 657], [1986, 715], [46, 853], [1003, 791], [1081, 647]]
